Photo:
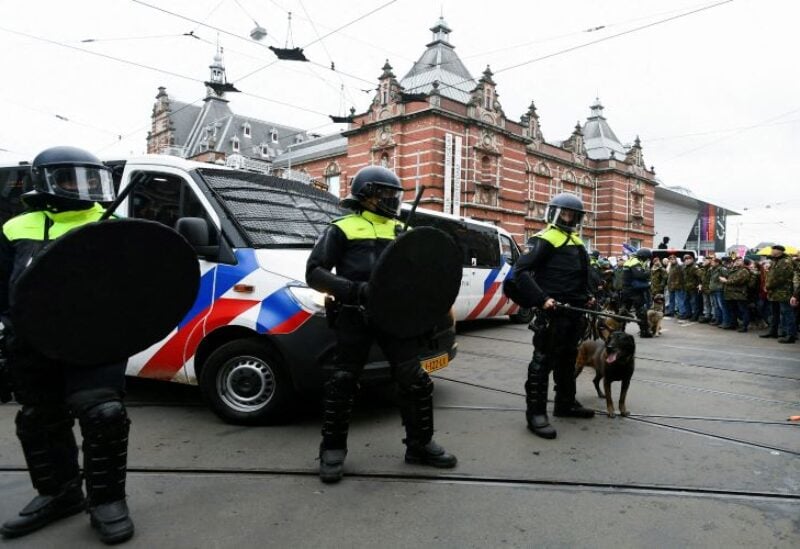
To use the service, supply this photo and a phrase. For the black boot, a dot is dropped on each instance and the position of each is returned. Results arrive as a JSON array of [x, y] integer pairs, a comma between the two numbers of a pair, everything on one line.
[[105, 428], [331, 464], [769, 334], [573, 409], [787, 339], [337, 407], [52, 458], [536, 398], [416, 409], [429, 454], [43, 510]]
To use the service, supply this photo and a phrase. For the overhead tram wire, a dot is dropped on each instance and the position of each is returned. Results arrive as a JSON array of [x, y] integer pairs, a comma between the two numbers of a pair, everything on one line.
[[249, 41], [577, 33], [155, 69], [587, 44], [725, 137], [321, 43], [351, 37], [60, 117], [320, 38]]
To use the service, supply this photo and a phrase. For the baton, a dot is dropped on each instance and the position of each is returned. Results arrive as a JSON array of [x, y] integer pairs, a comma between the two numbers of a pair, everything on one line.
[[596, 313], [414, 207]]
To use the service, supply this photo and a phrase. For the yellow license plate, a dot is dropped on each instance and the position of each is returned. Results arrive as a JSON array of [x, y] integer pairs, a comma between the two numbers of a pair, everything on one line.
[[435, 363]]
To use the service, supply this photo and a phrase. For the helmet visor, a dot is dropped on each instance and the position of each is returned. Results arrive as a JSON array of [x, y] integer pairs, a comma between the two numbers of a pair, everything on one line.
[[79, 182], [389, 200], [564, 218]]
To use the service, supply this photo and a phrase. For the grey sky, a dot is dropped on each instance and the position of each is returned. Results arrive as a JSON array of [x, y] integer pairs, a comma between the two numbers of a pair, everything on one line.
[[733, 66]]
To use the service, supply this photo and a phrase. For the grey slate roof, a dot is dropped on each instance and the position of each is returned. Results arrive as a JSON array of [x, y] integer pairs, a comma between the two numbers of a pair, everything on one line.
[[599, 138], [440, 62], [182, 115], [328, 145], [214, 122]]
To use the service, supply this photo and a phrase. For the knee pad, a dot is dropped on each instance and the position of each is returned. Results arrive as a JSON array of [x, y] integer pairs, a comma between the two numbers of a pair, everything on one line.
[[103, 419], [342, 384], [37, 418], [82, 401], [413, 380]]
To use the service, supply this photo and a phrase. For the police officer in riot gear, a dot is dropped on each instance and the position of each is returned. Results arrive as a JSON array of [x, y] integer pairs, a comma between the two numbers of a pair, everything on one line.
[[68, 183], [351, 246], [555, 270], [636, 287]]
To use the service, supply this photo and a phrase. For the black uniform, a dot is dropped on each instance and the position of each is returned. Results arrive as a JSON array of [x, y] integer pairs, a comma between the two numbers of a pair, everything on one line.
[[556, 266], [351, 246], [54, 393], [636, 292]]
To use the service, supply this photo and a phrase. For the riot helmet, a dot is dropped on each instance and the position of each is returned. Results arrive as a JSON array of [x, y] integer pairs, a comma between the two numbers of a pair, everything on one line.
[[644, 254], [565, 211], [376, 189], [68, 178]]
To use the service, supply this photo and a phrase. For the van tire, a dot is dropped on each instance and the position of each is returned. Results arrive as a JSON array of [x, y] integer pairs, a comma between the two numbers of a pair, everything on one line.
[[246, 383], [523, 316]]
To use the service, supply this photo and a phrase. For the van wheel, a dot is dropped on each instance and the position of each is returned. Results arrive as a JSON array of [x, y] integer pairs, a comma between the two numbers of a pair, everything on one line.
[[246, 383], [523, 316]]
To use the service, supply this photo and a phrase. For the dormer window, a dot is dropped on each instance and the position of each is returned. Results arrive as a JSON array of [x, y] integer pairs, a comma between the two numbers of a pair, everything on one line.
[[235, 144], [273, 134], [298, 139], [487, 98], [264, 150], [246, 129]]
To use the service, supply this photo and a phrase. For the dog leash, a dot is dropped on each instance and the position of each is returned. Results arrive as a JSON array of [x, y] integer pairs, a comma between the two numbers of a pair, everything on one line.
[[568, 307]]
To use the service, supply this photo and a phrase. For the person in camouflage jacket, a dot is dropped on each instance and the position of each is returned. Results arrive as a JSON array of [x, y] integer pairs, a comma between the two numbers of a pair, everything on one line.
[[658, 278], [780, 285], [736, 295], [715, 286], [675, 286], [705, 292], [691, 285]]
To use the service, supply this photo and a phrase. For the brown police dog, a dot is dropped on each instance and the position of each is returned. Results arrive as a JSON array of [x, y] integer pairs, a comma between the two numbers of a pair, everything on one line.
[[612, 360], [607, 325], [655, 315]]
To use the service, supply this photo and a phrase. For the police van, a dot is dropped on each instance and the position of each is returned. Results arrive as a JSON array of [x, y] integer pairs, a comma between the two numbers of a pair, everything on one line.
[[256, 334], [488, 253]]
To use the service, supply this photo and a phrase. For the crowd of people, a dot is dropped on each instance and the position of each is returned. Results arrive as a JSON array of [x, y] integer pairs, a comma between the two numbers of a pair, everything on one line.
[[732, 293]]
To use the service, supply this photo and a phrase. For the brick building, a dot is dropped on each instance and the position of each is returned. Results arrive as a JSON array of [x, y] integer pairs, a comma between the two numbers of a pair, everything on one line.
[[439, 127]]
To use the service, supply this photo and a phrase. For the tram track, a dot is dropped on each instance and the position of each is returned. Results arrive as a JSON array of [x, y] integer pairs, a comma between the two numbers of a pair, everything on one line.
[[474, 480], [643, 357], [655, 382], [641, 419]]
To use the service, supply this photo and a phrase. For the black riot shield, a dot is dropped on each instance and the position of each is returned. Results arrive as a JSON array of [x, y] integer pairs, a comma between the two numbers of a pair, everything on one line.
[[415, 282], [105, 291]]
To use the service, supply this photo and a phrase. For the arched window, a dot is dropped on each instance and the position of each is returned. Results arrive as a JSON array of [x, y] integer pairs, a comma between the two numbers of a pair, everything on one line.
[[569, 177], [333, 178], [542, 169], [385, 160]]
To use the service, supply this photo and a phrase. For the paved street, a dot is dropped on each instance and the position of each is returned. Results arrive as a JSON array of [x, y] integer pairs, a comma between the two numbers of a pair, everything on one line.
[[706, 459]]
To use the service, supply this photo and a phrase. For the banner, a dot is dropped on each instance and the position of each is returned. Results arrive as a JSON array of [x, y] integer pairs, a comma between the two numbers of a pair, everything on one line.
[[708, 232], [457, 177], [448, 173]]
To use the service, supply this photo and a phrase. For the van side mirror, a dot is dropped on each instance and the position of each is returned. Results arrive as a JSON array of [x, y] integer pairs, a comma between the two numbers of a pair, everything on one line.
[[195, 231]]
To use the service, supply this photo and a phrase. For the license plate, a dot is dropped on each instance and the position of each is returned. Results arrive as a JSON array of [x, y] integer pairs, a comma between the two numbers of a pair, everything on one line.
[[435, 363]]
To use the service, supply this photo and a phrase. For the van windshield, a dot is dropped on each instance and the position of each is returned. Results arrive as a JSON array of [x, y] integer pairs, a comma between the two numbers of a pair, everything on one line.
[[270, 211]]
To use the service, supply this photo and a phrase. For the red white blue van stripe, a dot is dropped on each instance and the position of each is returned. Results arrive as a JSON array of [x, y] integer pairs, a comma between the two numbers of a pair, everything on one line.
[[278, 314], [493, 294]]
